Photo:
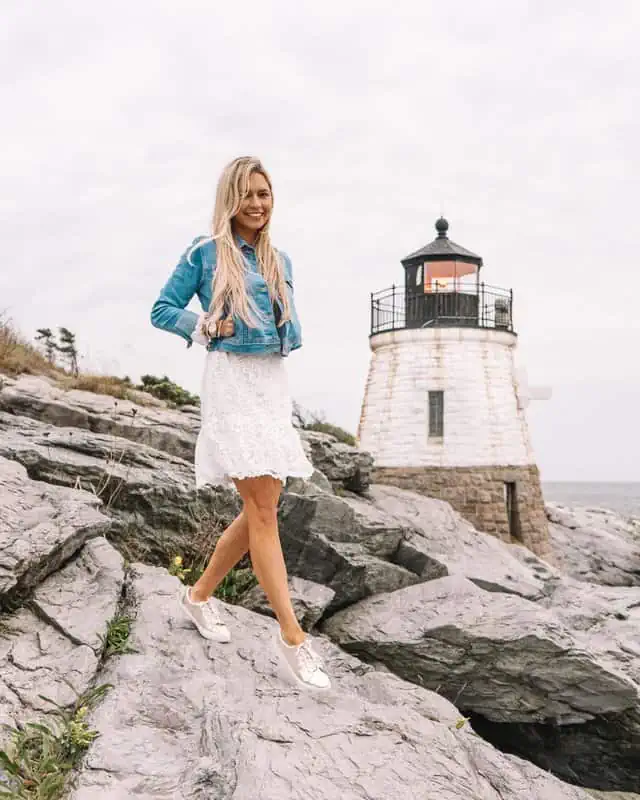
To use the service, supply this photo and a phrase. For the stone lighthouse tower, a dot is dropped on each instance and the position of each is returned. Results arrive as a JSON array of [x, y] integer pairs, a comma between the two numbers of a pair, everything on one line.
[[443, 413]]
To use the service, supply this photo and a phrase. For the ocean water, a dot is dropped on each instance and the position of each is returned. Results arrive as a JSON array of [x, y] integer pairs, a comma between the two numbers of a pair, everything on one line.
[[621, 497]]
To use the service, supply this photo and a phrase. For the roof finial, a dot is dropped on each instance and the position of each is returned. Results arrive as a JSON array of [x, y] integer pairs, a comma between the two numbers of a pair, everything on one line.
[[442, 226]]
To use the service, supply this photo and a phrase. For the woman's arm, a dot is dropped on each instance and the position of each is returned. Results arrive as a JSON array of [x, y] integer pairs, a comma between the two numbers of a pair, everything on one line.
[[169, 311]]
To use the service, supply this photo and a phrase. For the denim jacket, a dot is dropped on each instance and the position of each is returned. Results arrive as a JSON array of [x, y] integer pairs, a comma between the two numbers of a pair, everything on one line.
[[194, 274]]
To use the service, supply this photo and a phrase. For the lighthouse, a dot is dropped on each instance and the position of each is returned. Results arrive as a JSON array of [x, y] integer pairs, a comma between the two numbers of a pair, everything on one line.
[[443, 412]]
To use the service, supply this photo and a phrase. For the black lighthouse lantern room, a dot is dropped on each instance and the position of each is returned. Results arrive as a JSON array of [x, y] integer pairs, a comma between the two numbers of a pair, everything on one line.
[[442, 288], [442, 283]]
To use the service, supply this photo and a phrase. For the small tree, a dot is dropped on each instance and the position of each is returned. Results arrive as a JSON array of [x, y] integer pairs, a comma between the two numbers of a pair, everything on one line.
[[68, 349], [299, 415], [48, 342]]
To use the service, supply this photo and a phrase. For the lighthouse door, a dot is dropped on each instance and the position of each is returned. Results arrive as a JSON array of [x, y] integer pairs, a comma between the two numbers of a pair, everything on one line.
[[511, 502]]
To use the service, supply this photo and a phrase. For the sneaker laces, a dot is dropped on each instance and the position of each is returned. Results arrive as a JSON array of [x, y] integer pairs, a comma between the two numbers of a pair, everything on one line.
[[308, 658], [211, 613]]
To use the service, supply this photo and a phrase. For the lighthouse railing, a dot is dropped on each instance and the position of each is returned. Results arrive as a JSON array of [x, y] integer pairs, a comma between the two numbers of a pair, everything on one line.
[[397, 308]]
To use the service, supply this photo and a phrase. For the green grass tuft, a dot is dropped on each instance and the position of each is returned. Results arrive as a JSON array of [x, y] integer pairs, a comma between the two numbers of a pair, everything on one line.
[[116, 641], [38, 757]]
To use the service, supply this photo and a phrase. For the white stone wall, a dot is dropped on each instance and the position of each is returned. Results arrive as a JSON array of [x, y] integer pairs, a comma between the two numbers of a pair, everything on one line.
[[483, 423]]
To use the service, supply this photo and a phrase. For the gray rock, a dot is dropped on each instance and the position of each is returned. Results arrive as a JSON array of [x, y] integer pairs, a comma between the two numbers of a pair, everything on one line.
[[190, 720], [81, 598], [369, 524], [347, 467], [157, 426], [326, 540], [317, 484], [150, 493], [541, 571], [6, 380], [604, 619], [601, 753], [36, 659], [160, 514], [495, 654], [309, 601], [554, 681], [41, 526], [439, 542], [53, 647], [173, 431], [595, 545]]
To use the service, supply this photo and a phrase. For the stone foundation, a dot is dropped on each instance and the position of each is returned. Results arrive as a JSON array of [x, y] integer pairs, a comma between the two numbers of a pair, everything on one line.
[[478, 493]]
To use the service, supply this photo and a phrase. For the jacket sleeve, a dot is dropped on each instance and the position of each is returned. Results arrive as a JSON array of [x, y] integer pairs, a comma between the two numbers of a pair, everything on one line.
[[291, 333], [169, 311], [288, 269]]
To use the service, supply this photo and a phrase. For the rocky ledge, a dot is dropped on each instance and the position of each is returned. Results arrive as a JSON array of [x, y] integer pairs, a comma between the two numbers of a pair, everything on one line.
[[434, 632]]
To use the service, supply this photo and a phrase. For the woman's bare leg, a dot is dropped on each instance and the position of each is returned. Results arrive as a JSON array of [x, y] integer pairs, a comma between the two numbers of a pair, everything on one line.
[[229, 549], [260, 496]]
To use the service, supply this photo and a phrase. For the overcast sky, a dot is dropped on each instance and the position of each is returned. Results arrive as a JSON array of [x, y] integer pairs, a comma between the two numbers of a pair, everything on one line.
[[517, 120]]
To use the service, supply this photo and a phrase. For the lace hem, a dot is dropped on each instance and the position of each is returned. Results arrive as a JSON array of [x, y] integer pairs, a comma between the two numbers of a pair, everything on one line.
[[228, 480]]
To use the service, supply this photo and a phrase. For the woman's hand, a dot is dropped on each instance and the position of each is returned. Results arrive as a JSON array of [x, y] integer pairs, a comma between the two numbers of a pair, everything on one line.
[[216, 330], [226, 327]]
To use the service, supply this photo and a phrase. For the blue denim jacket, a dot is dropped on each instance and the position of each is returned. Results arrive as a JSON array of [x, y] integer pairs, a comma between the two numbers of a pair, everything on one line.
[[194, 275]]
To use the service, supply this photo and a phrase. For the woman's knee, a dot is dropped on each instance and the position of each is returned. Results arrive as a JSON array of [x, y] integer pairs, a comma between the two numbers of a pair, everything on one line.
[[260, 501], [261, 511]]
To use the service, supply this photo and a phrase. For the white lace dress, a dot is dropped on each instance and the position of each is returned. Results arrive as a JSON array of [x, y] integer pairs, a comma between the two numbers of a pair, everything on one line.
[[246, 420]]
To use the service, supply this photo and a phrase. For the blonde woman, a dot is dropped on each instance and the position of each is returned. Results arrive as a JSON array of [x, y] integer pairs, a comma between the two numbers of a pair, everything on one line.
[[246, 438]]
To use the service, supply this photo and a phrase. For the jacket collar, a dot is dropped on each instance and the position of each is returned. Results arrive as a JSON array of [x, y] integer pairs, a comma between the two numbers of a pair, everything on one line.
[[243, 245]]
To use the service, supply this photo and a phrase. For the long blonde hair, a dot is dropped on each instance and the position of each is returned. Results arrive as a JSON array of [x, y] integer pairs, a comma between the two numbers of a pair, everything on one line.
[[228, 289]]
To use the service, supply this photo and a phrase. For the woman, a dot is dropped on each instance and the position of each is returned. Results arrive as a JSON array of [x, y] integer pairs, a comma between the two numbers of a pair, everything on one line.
[[246, 437]]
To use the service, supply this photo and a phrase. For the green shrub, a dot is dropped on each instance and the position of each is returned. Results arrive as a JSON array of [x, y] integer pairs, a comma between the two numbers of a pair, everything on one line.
[[165, 389], [315, 421], [335, 430], [234, 584]]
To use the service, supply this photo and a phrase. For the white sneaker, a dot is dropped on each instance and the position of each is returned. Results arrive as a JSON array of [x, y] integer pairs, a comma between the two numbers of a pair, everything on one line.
[[205, 616], [303, 662]]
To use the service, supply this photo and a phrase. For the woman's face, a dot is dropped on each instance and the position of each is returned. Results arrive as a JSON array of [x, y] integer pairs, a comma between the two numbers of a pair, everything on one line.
[[255, 208]]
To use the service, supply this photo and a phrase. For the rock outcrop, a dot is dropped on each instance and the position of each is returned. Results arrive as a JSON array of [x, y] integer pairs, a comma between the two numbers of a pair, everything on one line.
[[345, 466], [542, 659], [309, 600], [149, 494], [479, 647], [40, 528], [327, 541], [189, 720], [557, 681], [154, 425], [183, 718], [52, 647], [596, 545], [170, 431], [440, 542]]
